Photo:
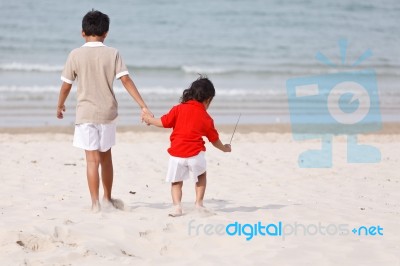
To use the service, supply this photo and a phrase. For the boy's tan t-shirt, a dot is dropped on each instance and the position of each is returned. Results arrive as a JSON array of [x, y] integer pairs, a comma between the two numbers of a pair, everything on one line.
[[95, 66]]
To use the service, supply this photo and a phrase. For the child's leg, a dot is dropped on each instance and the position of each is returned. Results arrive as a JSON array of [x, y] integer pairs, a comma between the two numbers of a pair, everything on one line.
[[201, 189], [107, 173], [176, 193], [92, 172], [107, 176]]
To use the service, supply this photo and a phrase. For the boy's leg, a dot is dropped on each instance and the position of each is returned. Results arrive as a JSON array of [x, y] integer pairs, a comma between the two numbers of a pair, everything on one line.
[[176, 193], [107, 173], [92, 172], [107, 176], [201, 189]]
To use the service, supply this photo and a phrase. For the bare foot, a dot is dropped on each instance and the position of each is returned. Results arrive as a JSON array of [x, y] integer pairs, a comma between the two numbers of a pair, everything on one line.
[[177, 211], [96, 207], [203, 210], [199, 204], [116, 203]]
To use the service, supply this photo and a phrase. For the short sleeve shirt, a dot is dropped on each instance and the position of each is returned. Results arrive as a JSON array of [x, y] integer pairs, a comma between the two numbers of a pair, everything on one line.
[[95, 66], [190, 122]]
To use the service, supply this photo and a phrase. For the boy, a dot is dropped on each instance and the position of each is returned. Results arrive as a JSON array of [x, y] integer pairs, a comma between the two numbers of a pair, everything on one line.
[[96, 65]]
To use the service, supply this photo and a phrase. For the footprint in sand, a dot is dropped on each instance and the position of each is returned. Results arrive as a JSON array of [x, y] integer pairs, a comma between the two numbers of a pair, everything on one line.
[[164, 250], [168, 227], [60, 234], [35, 243], [146, 234], [67, 222]]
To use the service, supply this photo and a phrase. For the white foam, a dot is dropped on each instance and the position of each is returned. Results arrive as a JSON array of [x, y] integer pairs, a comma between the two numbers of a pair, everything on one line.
[[157, 90], [204, 70], [27, 67]]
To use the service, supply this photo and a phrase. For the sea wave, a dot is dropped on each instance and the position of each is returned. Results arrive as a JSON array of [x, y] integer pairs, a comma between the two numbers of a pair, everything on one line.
[[207, 70], [144, 90], [28, 67], [283, 69], [171, 91]]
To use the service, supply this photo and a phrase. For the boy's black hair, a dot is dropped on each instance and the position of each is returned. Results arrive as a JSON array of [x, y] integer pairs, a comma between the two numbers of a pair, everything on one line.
[[95, 23], [200, 90]]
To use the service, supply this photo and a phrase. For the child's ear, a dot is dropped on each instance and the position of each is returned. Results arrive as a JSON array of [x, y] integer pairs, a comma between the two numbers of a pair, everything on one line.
[[105, 35], [83, 34], [207, 102]]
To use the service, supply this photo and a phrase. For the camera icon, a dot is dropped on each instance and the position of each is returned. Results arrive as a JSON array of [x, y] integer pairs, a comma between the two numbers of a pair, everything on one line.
[[345, 103]]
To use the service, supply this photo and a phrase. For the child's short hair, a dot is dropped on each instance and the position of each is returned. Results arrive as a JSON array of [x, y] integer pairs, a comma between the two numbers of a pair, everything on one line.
[[200, 90], [95, 23]]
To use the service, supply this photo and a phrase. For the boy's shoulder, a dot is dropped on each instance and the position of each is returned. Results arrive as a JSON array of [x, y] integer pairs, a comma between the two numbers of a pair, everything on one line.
[[86, 47]]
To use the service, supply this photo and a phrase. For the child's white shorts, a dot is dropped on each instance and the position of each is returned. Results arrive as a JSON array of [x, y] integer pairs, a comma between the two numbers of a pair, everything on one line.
[[179, 168], [93, 137]]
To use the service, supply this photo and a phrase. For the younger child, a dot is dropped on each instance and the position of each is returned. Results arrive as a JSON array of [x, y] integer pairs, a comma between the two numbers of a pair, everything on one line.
[[95, 66], [190, 122]]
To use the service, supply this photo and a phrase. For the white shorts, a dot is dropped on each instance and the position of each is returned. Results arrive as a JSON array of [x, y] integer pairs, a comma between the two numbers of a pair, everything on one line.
[[179, 168], [93, 137]]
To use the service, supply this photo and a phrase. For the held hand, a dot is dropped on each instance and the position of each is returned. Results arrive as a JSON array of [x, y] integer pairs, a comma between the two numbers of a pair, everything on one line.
[[147, 118], [227, 148], [146, 110], [146, 113], [60, 110]]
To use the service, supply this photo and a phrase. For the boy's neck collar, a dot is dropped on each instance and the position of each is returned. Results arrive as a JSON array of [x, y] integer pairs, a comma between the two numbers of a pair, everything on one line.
[[93, 44]]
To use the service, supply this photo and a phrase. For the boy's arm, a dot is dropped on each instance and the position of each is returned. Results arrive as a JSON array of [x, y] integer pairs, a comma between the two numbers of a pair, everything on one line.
[[223, 147], [133, 91], [150, 120], [64, 91]]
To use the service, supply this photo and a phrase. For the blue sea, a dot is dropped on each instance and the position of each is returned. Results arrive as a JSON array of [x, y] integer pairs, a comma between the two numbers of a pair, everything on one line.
[[249, 49]]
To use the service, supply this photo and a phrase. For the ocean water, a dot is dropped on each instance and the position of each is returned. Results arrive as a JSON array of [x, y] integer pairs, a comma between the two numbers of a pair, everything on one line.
[[249, 49]]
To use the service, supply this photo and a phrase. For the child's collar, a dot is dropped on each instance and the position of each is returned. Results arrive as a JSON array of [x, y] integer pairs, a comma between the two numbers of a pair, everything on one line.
[[93, 44], [197, 103]]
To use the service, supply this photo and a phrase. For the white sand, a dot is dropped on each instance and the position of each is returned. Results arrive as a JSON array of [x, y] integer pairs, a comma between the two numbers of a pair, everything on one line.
[[44, 204]]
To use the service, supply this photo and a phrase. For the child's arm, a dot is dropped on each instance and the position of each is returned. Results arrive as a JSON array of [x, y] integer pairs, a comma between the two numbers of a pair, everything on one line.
[[133, 91], [223, 147], [64, 91], [150, 120]]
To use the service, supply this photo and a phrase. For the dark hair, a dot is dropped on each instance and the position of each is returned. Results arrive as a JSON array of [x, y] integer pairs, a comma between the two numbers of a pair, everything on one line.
[[95, 23], [200, 90]]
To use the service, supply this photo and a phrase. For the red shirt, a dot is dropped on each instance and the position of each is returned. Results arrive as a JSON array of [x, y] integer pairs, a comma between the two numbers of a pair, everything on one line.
[[190, 122]]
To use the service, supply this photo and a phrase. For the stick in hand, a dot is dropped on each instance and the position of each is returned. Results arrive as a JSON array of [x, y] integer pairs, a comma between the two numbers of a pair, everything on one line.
[[235, 128]]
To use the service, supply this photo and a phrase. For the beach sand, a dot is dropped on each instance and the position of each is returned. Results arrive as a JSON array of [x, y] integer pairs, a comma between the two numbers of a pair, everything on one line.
[[46, 218]]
